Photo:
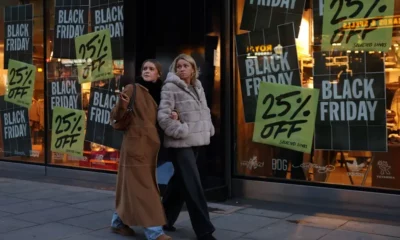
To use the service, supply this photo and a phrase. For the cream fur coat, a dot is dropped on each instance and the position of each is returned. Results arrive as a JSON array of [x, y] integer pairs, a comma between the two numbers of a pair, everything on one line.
[[194, 128]]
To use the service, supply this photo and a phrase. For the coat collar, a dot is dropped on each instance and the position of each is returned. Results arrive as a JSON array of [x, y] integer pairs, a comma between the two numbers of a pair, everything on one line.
[[173, 78]]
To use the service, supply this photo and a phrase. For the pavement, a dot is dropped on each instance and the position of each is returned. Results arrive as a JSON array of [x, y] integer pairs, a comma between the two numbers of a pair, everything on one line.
[[47, 211]]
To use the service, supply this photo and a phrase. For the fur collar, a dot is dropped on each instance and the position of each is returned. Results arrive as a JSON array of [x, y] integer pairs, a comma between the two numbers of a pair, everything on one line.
[[173, 78]]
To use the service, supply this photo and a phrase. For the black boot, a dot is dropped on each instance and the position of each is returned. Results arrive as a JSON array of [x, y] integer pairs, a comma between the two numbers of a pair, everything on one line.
[[169, 228], [208, 236]]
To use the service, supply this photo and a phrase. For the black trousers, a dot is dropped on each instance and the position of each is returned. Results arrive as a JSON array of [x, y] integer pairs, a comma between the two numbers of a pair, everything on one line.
[[185, 187]]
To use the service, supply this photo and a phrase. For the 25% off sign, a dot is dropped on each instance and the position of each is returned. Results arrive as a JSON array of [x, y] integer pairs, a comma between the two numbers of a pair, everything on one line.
[[20, 83], [358, 25], [68, 133], [285, 116], [94, 49]]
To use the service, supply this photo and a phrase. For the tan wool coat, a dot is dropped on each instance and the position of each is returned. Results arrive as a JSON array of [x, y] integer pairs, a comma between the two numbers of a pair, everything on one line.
[[137, 195]]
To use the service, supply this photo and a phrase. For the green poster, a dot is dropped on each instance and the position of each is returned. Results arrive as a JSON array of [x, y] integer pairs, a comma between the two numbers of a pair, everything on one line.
[[95, 51], [285, 116], [20, 83], [68, 132], [358, 25]]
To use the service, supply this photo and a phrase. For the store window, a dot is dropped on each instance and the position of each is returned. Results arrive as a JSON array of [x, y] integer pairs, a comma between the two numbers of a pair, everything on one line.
[[21, 39], [356, 139], [67, 20]]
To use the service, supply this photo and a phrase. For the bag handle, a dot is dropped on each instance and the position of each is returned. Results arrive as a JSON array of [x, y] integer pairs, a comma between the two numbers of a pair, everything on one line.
[[132, 99]]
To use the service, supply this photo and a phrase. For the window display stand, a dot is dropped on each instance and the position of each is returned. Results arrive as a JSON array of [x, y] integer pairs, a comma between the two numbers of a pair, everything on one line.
[[343, 161]]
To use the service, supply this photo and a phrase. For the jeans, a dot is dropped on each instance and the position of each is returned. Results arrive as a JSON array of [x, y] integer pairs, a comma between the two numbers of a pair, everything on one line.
[[151, 233]]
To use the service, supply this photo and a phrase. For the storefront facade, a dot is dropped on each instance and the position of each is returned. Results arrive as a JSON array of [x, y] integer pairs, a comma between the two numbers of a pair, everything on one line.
[[355, 139], [351, 156], [139, 30]]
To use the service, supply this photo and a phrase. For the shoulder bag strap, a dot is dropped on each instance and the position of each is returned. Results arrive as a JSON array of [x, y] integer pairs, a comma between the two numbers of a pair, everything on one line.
[[132, 99]]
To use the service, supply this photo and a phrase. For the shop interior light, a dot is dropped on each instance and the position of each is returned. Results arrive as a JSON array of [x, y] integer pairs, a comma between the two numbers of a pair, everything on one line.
[[251, 55], [278, 49], [40, 70]]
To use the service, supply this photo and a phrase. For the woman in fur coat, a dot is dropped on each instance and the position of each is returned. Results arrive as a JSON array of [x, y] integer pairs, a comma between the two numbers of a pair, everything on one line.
[[183, 98]]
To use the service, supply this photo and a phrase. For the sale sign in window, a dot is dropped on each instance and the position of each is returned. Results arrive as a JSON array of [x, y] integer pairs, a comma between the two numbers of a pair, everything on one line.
[[358, 25]]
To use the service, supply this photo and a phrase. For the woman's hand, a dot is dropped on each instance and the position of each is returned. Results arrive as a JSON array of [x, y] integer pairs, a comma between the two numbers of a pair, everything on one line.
[[124, 99], [174, 115]]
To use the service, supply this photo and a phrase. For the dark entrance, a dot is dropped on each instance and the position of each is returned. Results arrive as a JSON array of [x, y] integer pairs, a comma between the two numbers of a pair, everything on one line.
[[162, 30]]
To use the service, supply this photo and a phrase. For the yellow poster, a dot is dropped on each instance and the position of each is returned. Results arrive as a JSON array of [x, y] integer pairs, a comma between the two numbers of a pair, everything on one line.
[[285, 116], [68, 133], [20, 83], [358, 25], [94, 50]]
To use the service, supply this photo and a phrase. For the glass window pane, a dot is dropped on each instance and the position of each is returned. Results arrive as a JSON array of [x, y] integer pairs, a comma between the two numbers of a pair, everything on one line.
[[96, 99], [32, 14], [355, 152]]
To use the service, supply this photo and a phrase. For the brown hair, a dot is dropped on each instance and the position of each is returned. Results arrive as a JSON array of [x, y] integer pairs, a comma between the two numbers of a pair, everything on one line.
[[155, 62]]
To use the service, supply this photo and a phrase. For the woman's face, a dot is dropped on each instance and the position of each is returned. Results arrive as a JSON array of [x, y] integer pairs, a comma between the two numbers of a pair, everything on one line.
[[150, 72], [184, 70]]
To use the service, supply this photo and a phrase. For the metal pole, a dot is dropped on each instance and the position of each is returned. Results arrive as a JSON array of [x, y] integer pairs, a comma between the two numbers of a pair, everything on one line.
[[227, 90]]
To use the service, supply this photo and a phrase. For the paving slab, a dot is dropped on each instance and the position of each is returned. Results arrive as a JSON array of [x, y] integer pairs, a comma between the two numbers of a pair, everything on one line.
[[88, 237], [94, 221], [180, 234], [5, 200], [184, 219], [44, 194], [226, 234], [188, 233], [283, 230], [80, 197], [15, 187], [29, 206], [50, 231], [373, 228], [3, 180], [242, 222], [9, 224], [265, 213], [49, 211], [52, 215], [348, 235], [313, 221], [97, 205], [224, 208], [3, 214], [106, 233]]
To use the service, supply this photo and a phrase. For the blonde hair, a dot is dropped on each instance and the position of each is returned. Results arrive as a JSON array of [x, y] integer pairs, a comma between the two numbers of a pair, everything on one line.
[[190, 60]]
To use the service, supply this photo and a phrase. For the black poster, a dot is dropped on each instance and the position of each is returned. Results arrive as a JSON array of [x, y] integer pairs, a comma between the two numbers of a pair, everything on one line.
[[18, 23], [269, 58], [318, 12], [16, 130], [64, 92], [99, 130], [352, 104], [268, 14], [110, 14], [71, 20]]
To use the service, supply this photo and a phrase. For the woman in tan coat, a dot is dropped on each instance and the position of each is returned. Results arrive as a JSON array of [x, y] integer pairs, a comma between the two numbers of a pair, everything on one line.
[[137, 194]]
